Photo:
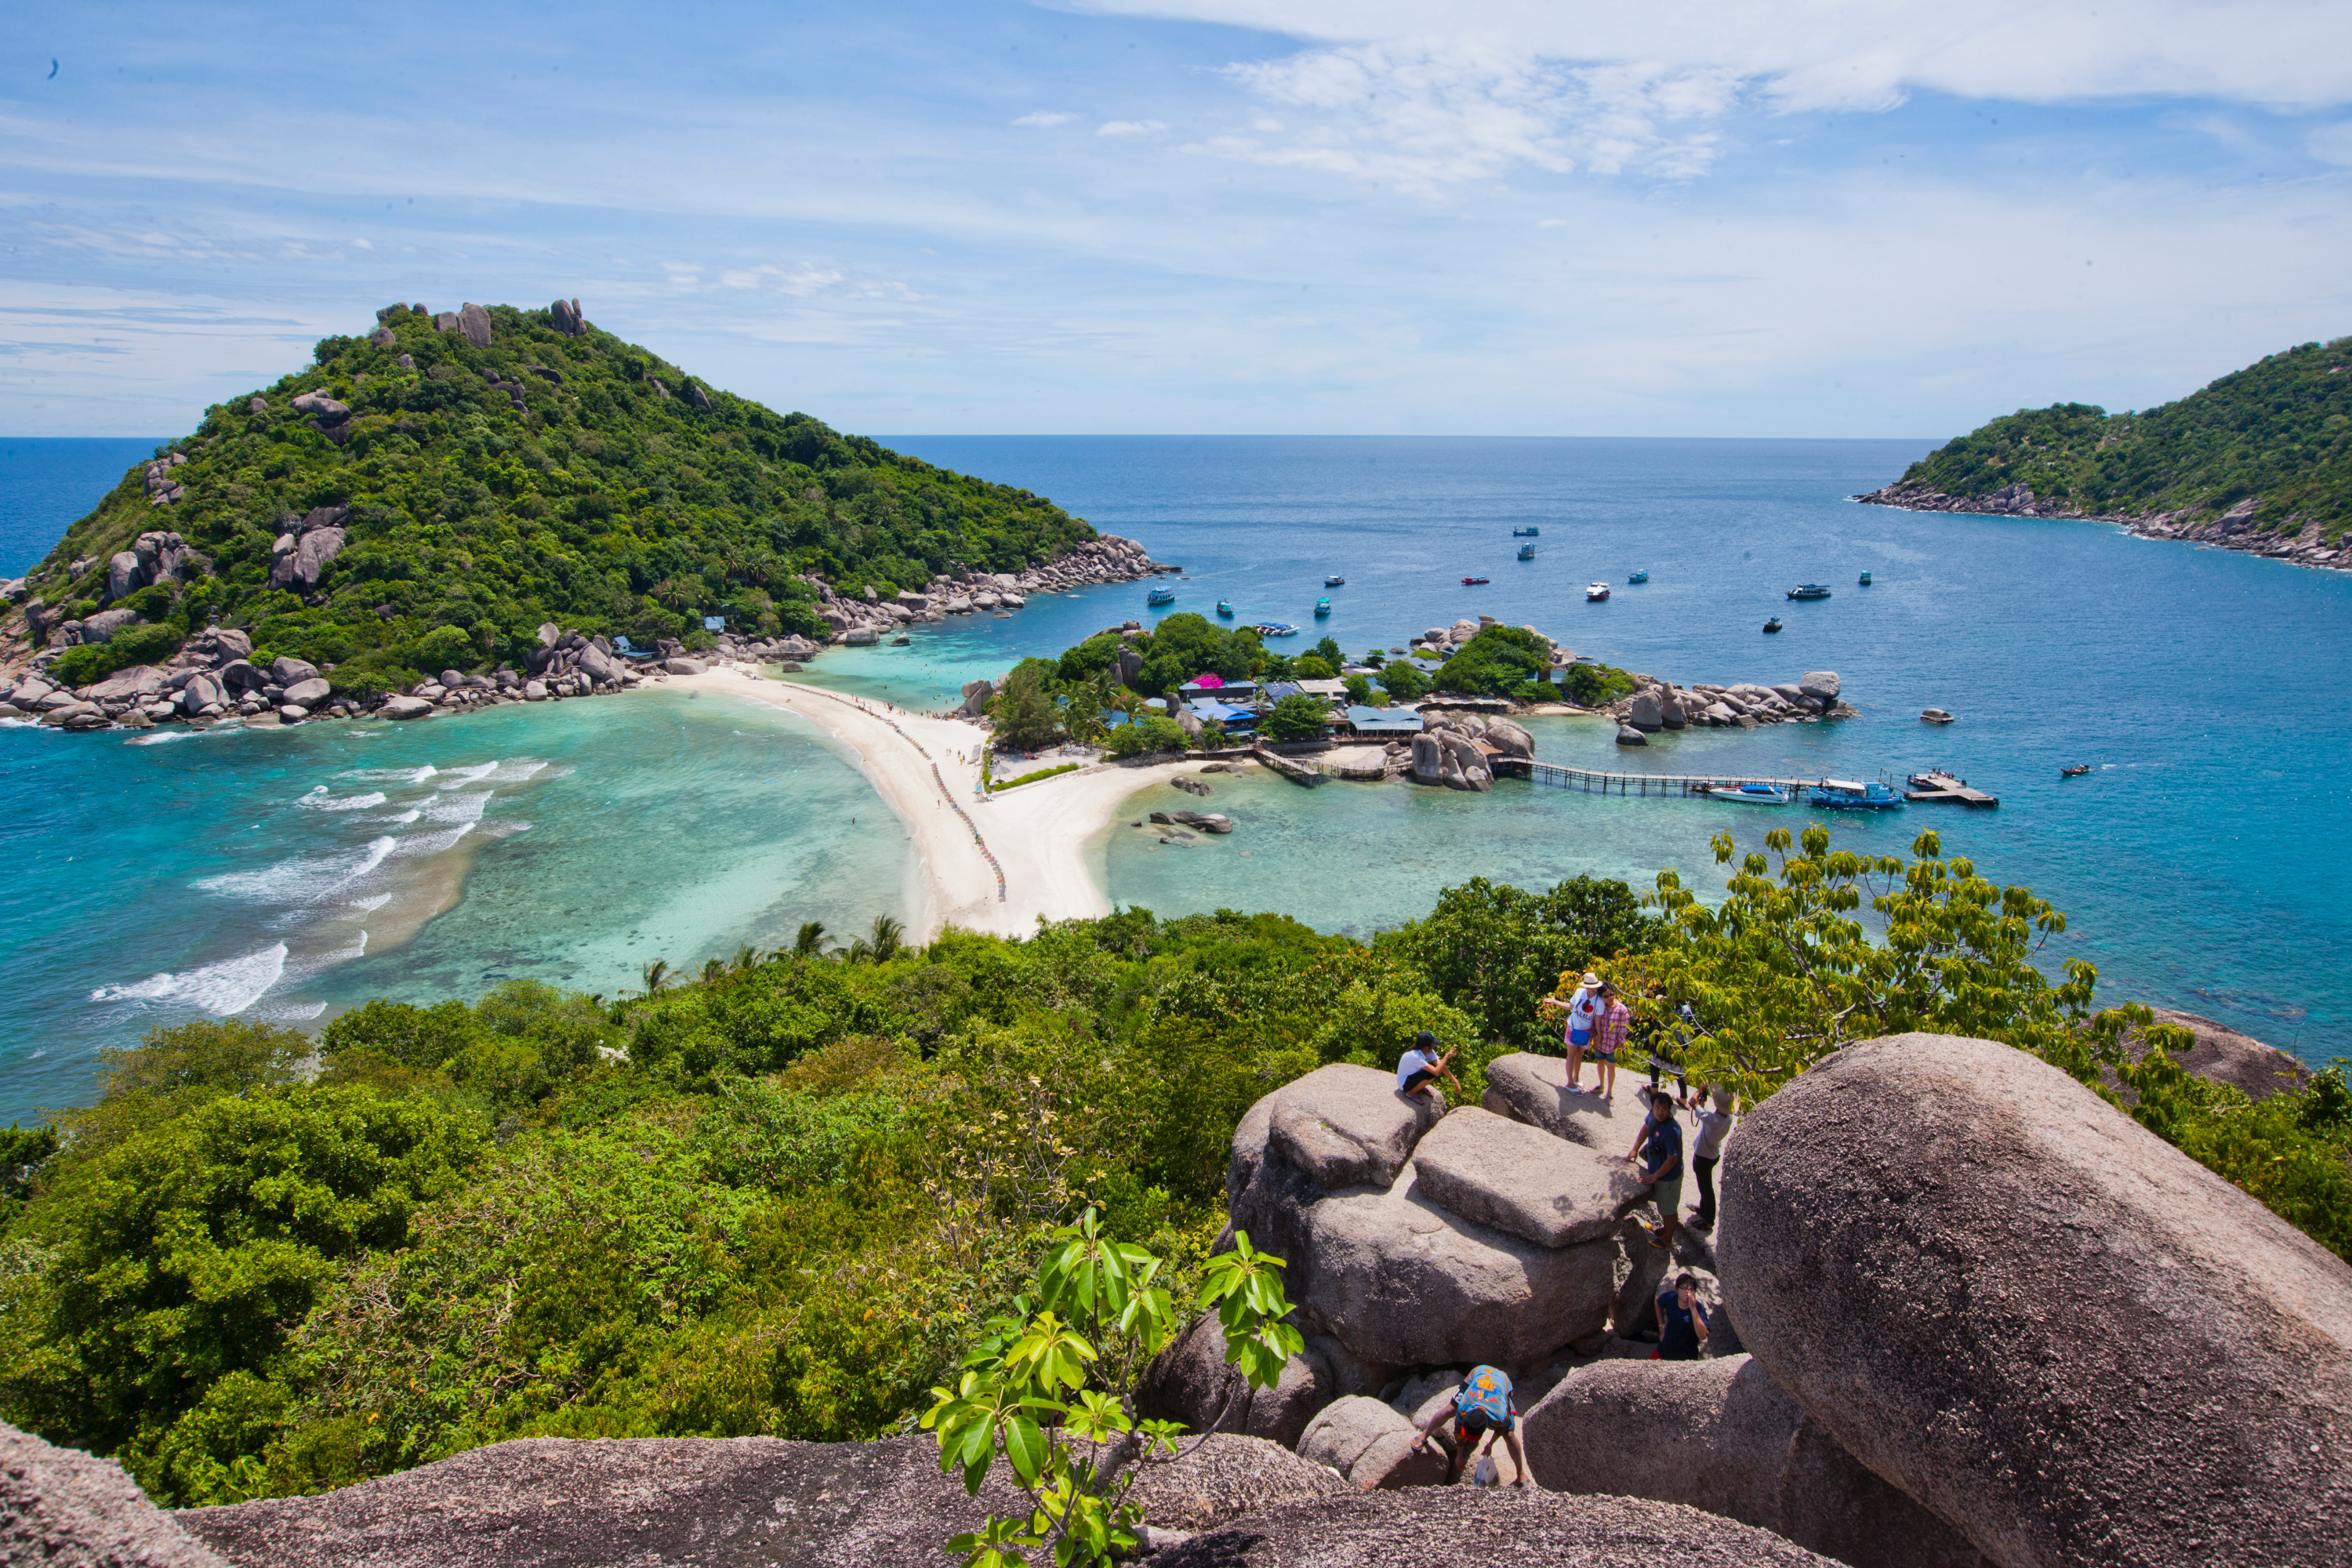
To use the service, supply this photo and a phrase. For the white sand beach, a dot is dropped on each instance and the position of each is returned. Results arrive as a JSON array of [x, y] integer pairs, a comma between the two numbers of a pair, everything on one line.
[[1037, 834]]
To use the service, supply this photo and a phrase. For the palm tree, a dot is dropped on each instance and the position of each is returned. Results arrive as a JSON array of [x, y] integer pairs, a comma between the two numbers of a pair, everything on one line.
[[658, 974], [747, 959], [810, 942], [714, 970], [888, 936]]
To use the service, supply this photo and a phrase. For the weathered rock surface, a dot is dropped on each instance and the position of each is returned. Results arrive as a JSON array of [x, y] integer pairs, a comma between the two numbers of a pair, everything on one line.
[[308, 694], [65, 1509], [1192, 1382], [1458, 1525], [1629, 736], [1820, 683], [405, 708], [744, 1503], [1371, 1444], [1719, 1435], [2037, 1318], [1346, 1126], [976, 696], [1533, 1089], [474, 322], [1523, 1181], [2225, 1055], [684, 666]]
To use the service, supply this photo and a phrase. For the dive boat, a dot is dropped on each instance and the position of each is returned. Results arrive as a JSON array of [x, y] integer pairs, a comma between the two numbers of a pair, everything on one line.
[[1225, 608], [1809, 591], [1277, 629], [1526, 552], [1865, 579], [2077, 771], [1773, 624], [1335, 581], [1751, 794], [1474, 581], [1161, 597], [1847, 794], [1641, 576], [1595, 592], [1527, 534], [1322, 609]]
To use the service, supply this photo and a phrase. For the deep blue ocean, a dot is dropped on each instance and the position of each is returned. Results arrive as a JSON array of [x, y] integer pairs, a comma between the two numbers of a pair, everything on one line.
[[2200, 863]]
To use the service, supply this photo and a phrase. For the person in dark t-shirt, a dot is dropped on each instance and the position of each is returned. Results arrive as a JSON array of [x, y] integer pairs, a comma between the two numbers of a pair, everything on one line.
[[1682, 1322]]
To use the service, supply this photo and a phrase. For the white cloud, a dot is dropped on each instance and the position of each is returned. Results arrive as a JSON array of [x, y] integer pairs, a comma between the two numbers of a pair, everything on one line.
[[1045, 117], [1129, 128], [1867, 54], [363, 245], [2333, 144]]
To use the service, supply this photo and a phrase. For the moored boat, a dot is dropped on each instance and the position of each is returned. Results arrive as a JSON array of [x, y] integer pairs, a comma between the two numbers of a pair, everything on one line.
[[1526, 552], [1527, 534], [1595, 592], [1641, 576], [2077, 771], [1277, 629], [1161, 597], [1751, 794], [1809, 591], [1934, 716], [1865, 579], [1225, 608], [1851, 794], [1322, 607], [1335, 581], [1474, 581], [1773, 624]]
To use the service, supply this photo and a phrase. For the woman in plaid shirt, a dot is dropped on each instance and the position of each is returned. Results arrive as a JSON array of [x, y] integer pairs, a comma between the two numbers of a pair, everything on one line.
[[1609, 1038]]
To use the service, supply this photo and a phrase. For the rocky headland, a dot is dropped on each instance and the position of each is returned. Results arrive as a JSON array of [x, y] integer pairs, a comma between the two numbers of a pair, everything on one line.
[[1966, 1313], [2235, 527]]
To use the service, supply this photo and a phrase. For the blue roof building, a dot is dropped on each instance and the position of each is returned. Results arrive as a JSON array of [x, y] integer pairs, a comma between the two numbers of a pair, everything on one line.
[[1384, 721]]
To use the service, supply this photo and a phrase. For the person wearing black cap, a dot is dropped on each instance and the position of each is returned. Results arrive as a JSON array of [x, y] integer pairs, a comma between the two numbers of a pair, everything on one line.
[[1422, 1065]]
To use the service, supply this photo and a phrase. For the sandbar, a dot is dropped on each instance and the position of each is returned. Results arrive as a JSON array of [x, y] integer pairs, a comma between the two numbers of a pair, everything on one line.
[[1037, 833]]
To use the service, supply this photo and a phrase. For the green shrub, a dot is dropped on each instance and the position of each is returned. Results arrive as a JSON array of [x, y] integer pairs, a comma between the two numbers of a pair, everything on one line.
[[1501, 661], [129, 645], [1298, 718], [1592, 685], [1142, 736], [1032, 778]]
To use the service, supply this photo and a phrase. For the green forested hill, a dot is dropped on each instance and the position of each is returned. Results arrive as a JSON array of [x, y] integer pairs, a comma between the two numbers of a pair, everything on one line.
[[553, 473], [2278, 432]]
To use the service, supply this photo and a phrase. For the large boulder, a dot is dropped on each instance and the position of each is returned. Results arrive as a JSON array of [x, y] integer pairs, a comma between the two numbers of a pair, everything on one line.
[[64, 1509], [308, 694], [1322, 1176], [1820, 683], [1130, 665], [1647, 712], [475, 323], [1533, 1089], [1191, 1383], [1513, 739], [2036, 1317], [1719, 1435], [2221, 1053], [285, 671], [1512, 1177], [1371, 1445], [124, 573], [1428, 759], [1460, 1525], [1629, 736], [684, 666], [141, 683], [977, 694], [546, 1502], [405, 708]]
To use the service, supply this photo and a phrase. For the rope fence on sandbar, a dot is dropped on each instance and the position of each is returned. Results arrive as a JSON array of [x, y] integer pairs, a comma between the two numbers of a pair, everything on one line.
[[945, 793]]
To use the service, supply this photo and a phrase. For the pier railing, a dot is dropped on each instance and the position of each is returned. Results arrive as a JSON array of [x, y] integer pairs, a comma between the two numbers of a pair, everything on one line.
[[1593, 781]]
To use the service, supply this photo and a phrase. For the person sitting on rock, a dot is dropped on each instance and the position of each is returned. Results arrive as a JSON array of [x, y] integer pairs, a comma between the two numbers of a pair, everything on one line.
[[1682, 1322], [1422, 1065], [1658, 1150], [1482, 1407]]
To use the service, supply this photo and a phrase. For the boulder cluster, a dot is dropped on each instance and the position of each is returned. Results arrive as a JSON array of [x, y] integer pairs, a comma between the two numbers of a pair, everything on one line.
[[212, 677], [861, 620], [1458, 748], [1658, 705], [1438, 642]]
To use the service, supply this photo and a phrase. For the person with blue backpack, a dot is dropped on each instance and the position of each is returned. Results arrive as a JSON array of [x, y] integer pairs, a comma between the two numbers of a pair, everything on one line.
[[1482, 1408]]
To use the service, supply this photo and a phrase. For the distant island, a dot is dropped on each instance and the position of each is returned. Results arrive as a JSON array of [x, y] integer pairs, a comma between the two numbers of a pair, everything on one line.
[[427, 497], [2261, 460]]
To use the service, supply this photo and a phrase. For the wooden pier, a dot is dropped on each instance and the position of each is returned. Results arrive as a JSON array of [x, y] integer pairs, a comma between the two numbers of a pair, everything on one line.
[[1948, 791], [1592, 781]]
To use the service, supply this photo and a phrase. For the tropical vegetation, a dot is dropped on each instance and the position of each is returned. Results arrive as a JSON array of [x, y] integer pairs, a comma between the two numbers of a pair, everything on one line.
[[827, 1191], [2279, 431], [609, 491]]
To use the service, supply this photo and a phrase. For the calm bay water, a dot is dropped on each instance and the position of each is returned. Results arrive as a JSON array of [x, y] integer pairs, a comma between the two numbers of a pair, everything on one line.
[[2199, 863]]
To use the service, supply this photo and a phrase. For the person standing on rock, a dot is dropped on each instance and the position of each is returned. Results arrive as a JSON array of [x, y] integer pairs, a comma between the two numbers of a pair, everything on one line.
[[1482, 1407], [1581, 1007], [1612, 1020], [1682, 1322], [1422, 1065], [1658, 1150], [1707, 1152]]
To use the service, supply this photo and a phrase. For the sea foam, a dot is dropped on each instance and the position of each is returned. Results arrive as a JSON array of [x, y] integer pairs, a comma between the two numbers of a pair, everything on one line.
[[223, 989], [301, 879]]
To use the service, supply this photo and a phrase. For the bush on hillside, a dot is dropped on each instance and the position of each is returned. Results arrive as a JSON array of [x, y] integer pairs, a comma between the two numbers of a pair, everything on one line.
[[82, 666]]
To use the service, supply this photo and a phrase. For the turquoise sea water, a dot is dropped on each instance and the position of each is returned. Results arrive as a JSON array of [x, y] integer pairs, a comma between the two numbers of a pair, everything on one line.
[[2200, 863]]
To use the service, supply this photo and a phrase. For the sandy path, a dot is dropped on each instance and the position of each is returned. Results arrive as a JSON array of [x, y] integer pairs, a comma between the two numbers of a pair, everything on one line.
[[1037, 834]]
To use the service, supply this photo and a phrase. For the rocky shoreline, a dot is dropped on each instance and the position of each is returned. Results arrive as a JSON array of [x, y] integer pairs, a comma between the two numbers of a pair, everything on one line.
[[212, 677], [2231, 529]]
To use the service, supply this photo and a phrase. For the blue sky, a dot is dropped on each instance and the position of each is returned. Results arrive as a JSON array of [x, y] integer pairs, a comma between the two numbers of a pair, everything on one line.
[[1836, 218]]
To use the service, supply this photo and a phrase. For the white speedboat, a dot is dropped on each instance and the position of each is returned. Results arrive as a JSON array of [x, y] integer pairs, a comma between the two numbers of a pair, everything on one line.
[[1596, 592]]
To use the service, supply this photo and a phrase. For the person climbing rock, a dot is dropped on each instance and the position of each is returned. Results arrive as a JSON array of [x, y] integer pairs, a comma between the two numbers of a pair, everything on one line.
[[1422, 1065], [1482, 1408], [1658, 1150], [1682, 1322]]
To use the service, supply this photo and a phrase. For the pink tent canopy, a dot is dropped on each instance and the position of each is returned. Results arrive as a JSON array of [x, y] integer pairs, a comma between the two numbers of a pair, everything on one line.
[[1210, 682]]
